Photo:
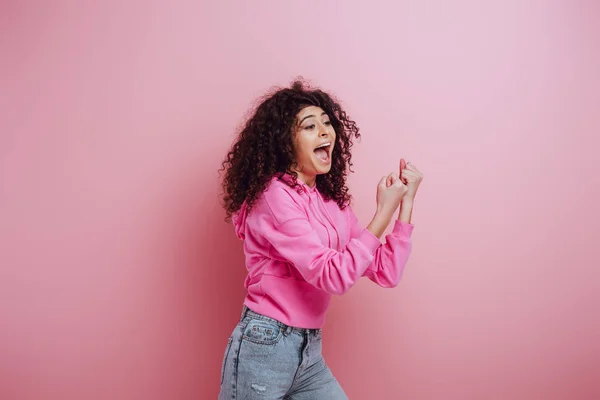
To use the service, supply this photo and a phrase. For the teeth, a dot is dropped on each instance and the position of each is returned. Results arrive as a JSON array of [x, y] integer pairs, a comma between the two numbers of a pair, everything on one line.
[[323, 145]]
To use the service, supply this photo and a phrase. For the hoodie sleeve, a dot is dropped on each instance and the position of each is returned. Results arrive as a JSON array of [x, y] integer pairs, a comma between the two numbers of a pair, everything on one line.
[[390, 258], [284, 224]]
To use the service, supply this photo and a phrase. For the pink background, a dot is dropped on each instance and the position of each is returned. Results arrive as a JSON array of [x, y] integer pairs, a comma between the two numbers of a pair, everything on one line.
[[120, 280]]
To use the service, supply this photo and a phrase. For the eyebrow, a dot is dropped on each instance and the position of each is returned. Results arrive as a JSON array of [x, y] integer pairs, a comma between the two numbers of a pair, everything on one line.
[[311, 116]]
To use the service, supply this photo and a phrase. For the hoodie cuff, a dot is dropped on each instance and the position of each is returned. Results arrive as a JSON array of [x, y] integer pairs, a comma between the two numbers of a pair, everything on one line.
[[370, 241], [402, 229]]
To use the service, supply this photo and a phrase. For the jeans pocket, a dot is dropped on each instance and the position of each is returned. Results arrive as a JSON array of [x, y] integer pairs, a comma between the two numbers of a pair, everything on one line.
[[262, 332], [226, 355]]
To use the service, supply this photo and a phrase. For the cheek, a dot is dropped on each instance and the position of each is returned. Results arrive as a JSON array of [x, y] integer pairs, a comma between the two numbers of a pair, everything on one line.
[[302, 149], [304, 153]]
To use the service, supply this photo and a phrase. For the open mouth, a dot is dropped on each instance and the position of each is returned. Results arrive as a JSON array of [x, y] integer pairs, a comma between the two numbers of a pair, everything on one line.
[[323, 152]]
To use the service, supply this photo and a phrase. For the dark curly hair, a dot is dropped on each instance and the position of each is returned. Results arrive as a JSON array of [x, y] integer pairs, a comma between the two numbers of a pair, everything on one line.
[[264, 147]]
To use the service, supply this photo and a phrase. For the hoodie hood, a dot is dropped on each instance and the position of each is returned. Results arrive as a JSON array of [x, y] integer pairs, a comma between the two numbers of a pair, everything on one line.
[[239, 221], [239, 218]]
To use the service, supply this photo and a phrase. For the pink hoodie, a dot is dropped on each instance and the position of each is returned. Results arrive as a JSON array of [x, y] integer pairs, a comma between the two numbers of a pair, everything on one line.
[[300, 249]]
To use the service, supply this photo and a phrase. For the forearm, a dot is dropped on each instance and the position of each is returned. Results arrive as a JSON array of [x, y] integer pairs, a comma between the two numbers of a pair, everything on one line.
[[406, 208], [380, 222], [330, 270], [382, 217], [391, 258]]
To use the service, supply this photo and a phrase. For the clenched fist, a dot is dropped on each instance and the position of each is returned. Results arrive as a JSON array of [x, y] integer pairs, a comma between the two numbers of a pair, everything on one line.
[[411, 177]]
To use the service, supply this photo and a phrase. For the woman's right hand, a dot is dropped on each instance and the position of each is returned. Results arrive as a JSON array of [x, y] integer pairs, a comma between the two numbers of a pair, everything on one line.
[[390, 191]]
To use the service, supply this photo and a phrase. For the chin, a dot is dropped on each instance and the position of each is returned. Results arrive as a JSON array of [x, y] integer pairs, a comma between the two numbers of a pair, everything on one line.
[[323, 170]]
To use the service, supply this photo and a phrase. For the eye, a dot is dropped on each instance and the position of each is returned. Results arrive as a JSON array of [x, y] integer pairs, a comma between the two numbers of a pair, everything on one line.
[[310, 127], [327, 123]]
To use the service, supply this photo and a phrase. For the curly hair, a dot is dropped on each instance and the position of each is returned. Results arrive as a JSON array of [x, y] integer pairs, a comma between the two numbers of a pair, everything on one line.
[[264, 147]]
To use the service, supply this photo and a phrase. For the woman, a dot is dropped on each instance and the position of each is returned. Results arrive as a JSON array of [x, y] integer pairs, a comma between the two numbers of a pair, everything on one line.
[[285, 190]]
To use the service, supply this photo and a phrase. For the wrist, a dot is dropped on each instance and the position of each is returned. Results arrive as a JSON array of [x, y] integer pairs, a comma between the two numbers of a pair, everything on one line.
[[380, 221], [406, 201], [406, 208], [384, 214]]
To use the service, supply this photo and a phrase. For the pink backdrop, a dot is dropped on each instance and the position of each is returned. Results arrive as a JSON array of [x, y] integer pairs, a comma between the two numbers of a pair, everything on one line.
[[120, 280]]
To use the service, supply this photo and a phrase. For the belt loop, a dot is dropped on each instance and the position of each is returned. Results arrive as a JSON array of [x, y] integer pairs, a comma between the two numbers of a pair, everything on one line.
[[244, 310], [287, 331]]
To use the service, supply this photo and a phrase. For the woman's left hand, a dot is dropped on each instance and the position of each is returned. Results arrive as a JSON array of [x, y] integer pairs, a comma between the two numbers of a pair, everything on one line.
[[411, 177]]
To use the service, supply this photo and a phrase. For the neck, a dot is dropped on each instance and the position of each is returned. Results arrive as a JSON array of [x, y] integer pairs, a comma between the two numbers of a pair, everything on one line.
[[310, 180]]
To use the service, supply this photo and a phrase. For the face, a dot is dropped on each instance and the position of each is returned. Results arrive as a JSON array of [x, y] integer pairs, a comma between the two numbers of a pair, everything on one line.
[[313, 144]]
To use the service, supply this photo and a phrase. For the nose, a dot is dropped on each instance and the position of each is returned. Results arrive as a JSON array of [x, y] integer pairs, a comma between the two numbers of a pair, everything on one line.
[[323, 131]]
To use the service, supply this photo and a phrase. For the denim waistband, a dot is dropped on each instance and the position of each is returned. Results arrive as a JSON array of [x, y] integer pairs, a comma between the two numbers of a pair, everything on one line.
[[246, 312]]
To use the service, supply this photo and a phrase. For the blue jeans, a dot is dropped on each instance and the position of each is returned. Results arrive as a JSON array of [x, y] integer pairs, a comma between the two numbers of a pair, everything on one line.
[[266, 360]]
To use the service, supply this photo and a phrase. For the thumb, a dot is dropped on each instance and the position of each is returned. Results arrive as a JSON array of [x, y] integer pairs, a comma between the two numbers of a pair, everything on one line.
[[402, 167]]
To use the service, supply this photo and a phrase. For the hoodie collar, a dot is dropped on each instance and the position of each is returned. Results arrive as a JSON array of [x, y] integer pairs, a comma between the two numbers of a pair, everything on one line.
[[289, 180]]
